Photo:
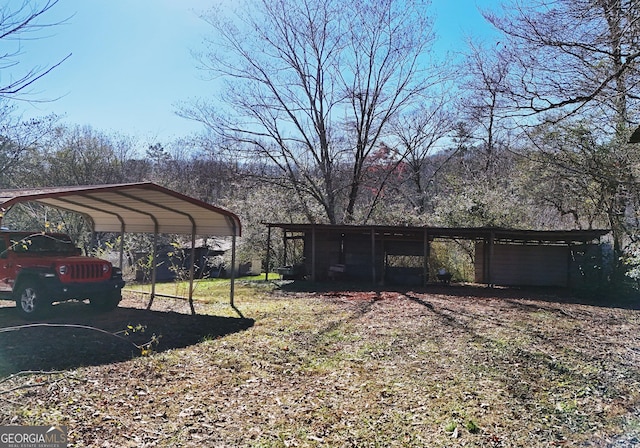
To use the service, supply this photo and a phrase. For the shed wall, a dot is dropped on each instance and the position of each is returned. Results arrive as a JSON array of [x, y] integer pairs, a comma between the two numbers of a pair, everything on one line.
[[328, 252], [513, 264], [353, 251], [357, 252], [523, 265]]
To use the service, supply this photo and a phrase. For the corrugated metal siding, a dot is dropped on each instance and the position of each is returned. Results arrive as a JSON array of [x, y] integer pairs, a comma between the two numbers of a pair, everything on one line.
[[521, 265]]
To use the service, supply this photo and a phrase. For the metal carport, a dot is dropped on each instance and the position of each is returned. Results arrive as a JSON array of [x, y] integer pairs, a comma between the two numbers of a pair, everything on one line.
[[136, 208]]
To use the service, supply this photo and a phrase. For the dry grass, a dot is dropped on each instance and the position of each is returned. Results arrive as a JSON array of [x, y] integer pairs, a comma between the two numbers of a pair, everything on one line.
[[458, 366]]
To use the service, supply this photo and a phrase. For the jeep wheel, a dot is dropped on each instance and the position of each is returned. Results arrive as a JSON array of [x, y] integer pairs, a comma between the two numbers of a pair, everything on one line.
[[29, 301], [105, 302]]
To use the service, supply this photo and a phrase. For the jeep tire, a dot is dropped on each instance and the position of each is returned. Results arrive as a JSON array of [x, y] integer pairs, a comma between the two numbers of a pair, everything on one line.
[[30, 301]]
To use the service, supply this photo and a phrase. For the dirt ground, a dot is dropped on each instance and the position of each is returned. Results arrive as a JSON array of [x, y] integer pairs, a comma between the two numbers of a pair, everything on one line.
[[448, 366]]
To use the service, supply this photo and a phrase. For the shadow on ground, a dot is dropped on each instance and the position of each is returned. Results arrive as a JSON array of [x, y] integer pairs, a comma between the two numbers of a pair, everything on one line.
[[51, 346], [547, 294]]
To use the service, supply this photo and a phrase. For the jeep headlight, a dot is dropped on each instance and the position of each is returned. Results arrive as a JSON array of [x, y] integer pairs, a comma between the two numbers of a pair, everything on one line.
[[105, 267], [62, 269]]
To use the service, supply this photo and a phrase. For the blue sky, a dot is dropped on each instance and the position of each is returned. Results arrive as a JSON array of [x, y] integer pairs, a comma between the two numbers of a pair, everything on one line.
[[131, 62]]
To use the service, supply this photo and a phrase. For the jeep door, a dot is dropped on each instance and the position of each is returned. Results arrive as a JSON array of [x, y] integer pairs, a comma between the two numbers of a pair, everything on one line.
[[7, 268]]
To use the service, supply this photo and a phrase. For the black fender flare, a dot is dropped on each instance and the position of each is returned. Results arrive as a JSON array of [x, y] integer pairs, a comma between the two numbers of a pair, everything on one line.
[[31, 274]]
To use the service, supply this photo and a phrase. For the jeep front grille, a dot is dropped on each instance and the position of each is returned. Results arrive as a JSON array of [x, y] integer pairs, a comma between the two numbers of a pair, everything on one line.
[[86, 271]]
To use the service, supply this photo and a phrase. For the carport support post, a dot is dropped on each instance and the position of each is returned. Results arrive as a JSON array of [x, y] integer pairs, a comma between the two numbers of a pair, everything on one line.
[[153, 268], [233, 268], [192, 269], [122, 247]]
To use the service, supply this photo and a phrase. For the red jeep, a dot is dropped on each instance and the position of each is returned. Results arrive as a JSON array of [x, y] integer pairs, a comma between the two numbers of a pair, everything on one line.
[[37, 269]]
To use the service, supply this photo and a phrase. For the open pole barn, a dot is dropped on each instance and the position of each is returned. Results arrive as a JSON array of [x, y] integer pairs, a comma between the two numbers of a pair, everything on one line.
[[502, 256]]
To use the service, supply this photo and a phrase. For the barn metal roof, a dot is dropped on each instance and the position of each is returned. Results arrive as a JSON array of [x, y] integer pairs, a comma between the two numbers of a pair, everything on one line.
[[417, 233], [133, 208]]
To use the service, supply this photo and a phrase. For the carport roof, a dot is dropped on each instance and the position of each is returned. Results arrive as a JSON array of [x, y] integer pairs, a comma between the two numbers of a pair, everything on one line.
[[134, 208]]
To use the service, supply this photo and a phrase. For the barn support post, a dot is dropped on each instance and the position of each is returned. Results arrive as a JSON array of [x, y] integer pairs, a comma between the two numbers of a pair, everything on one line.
[[569, 262], [313, 254], [373, 256], [385, 261], [425, 260], [266, 273], [490, 259], [485, 255], [601, 261], [284, 247]]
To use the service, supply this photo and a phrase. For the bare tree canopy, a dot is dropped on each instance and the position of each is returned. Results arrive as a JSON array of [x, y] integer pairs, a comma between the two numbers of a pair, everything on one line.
[[20, 22], [312, 89], [573, 56]]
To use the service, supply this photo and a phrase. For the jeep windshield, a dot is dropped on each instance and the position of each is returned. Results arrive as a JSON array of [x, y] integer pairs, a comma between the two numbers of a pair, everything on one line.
[[40, 243]]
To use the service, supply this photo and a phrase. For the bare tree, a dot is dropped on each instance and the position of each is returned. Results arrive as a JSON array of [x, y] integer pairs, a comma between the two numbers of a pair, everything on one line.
[[485, 105], [19, 139], [20, 22], [475, 181], [573, 57], [311, 89], [79, 156], [418, 134]]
